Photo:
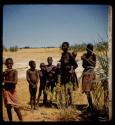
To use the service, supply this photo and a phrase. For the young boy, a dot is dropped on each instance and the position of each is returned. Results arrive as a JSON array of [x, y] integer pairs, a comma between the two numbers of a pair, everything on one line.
[[88, 76], [68, 65], [42, 75], [10, 77], [74, 79], [51, 76], [32, 78]]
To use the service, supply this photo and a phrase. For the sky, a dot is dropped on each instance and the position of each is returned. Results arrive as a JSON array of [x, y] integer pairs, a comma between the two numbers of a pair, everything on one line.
[[48, 25]]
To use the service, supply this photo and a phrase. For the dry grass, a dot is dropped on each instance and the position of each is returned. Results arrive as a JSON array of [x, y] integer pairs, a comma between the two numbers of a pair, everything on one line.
[[21, 59]]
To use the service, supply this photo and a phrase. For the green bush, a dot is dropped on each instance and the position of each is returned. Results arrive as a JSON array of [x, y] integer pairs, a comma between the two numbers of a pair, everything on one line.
[[13, 49]]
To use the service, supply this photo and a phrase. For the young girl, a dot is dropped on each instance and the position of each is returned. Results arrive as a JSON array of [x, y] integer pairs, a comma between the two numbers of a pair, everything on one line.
[[88, 63], [10, 97]]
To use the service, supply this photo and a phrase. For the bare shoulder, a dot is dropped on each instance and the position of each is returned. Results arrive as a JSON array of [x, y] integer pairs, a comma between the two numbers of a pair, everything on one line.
[[83, 56], [94, 55], [15, 71], [28, 71]]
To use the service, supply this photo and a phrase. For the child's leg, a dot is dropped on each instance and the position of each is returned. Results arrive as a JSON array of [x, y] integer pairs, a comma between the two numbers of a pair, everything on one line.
[[89, 98], [9, 112], [66, 94], [34, 101], [31, 102], [18, 113], [39, 94], [34, 97], [52, 92], [30, 90], [45, 96]]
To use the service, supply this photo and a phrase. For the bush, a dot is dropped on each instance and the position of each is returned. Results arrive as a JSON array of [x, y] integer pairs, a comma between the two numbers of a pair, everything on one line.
[[79, 47], [14, 49]]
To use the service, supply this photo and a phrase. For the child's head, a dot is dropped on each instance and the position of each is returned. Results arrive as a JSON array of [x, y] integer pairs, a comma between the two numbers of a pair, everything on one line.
[[89, 48], [58, 65], [9, 63], [65, 46], [42, 66], [49, 60], [32, 64], [74, 53]]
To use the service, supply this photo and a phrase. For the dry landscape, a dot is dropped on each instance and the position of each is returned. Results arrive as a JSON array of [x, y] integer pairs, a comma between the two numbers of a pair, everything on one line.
[[21, 59]]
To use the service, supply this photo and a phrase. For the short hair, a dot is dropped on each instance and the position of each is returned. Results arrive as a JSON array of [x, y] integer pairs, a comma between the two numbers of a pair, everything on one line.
[[41, 64], [90, 47], [49, 58], [30, 62], [6, 61], [67, 43]]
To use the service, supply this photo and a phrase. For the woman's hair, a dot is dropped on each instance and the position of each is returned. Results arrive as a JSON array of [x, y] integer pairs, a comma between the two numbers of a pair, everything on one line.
[[65, 43], [89, 47]]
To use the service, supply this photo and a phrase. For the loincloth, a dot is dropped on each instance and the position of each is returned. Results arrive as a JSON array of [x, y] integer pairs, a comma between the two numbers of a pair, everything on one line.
[[10, 97], [87, 80]]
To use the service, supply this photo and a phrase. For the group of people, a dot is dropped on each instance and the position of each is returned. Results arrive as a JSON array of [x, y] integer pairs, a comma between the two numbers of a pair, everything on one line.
[[61, 78]]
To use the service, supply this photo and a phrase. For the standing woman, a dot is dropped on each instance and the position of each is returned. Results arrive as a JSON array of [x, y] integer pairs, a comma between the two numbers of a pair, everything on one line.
[[88, 76], [68, 65]]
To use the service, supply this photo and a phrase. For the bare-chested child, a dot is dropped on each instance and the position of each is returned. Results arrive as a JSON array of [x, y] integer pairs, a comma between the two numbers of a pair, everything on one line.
[[74, 79], [32, 78], [42, 75], [10, 77], [51, 80]]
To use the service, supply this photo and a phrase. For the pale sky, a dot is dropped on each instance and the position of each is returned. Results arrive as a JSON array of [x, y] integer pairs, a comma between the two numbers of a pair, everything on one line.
[[46, 25]]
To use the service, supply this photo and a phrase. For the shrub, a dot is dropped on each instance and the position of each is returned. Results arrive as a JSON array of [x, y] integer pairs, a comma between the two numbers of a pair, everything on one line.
[[14, 49]]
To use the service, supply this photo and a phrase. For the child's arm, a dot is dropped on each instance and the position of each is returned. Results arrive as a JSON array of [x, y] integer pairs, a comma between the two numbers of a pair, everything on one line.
[[73, 62], [28, 78], [15, 79]]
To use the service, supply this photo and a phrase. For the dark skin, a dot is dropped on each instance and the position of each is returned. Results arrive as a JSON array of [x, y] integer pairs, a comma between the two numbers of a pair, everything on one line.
[[32, 78], [74, 54], [67, 68], [10, 77], [50, 74], [50, 60], [89, 59], [42, 76]]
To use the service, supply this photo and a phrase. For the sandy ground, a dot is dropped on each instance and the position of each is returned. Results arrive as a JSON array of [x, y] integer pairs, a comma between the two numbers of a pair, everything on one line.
[[21, 59]]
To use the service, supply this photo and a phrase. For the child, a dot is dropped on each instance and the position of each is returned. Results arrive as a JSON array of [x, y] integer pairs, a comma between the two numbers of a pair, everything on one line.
[[32, 78], [68, 65], [42, 87], [10, 77], [51, 76], [74, 76], [89, 63]]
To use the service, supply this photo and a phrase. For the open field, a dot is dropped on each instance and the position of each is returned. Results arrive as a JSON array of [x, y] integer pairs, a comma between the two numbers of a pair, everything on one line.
[[21, 59]]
